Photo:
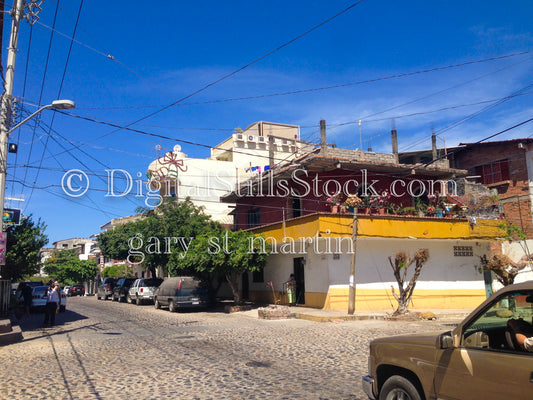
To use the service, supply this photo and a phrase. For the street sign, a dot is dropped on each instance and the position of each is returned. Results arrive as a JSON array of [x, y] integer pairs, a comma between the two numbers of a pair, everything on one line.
[[11, 216]]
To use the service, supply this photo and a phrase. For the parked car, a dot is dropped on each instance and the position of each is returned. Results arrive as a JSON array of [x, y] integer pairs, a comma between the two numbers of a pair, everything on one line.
[[143, 290], [181, 292], [77, 290], [38, 301], [121, 289], [66, 289], [105, 289], [479, 359]]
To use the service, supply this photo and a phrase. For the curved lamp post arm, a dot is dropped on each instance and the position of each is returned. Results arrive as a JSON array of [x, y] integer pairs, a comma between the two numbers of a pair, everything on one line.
[[57, 104]]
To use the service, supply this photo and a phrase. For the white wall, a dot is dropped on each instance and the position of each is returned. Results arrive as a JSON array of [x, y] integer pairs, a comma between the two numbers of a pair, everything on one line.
[[515, 250], [443, 270]]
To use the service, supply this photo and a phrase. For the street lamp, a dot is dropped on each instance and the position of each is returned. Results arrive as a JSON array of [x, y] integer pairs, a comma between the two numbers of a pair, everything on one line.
[[56, 104], [4, 136]]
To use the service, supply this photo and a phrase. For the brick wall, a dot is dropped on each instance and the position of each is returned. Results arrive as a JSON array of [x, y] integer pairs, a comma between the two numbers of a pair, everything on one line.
[[514, 193]]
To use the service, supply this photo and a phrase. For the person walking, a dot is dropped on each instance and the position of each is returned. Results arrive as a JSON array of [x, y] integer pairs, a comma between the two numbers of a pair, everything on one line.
[[53, 302]]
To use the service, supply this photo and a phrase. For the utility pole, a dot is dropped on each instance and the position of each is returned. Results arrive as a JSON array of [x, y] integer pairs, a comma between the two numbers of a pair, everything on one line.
[[17, 14], [351, 293]]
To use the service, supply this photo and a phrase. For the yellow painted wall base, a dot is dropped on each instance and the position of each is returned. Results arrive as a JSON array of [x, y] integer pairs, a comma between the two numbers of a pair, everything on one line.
[[381, 299]]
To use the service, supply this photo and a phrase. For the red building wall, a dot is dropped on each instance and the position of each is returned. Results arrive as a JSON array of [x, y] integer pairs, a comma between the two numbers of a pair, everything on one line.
[[514, 191], [274, 204]]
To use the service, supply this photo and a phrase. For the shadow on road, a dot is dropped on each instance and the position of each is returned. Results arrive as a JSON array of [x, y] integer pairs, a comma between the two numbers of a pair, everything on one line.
[[34, 321]]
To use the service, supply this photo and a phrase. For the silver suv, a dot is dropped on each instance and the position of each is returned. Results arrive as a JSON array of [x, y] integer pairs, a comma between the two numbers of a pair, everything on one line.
[[143, 290]]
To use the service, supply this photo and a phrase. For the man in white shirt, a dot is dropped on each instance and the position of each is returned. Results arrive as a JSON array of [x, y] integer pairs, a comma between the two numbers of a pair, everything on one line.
[[53, 301], [523, 332]]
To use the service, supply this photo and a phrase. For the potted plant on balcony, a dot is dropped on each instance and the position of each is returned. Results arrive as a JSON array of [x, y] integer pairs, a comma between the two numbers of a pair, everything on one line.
[[334, 202], [420, 207], [352, 202], [380, 202], [365, 204]]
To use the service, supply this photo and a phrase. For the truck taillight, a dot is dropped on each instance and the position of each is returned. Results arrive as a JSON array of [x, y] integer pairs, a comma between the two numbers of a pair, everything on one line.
[[108, 288], [142, 290]]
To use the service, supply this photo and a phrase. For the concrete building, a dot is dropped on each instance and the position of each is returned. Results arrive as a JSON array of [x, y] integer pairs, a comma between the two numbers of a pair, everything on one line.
[[248, 153], [84, 247], [311, 240]]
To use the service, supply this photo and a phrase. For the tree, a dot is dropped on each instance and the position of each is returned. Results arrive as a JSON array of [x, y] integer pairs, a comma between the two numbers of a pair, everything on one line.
[[122, 270], [66, 266], [223, 254], [400, 265], [23, 245], [162, 231], [504, 268]]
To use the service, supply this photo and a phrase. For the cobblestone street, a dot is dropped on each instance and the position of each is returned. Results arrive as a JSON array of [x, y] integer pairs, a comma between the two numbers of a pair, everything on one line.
[[107, 350]]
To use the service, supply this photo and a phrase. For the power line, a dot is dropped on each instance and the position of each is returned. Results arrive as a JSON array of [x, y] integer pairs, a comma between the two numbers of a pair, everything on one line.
[[298, 91], [23, 96], [224, 77], [482, 140], [119, 127], [475, 114], [58, 96], [43, 80]]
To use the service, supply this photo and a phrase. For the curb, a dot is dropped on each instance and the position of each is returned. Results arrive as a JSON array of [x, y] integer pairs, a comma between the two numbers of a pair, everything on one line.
[[316, 318]]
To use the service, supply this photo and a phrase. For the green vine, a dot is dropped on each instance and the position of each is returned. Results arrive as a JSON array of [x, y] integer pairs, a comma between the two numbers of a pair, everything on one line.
[[512, 231]]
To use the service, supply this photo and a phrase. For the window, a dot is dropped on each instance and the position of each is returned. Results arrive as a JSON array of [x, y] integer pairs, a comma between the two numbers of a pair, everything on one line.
[[254, 218], [258, 276], [296, 207], [493, 172], [488, 329], [463, 251]]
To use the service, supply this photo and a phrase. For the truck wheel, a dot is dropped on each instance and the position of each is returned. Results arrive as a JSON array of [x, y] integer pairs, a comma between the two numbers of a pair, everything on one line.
[[138, 301], [171, 306], [156, 304], [128, 299], [105, 297], [398, 388]]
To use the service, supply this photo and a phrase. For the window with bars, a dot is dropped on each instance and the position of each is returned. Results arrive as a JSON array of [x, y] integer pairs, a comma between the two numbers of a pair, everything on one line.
[[253, 218], [463, 251], [493, 172]]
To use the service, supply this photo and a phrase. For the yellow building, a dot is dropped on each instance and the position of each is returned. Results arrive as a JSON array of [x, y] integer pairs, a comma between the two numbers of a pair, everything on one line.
[[315, 243], [321, 245]]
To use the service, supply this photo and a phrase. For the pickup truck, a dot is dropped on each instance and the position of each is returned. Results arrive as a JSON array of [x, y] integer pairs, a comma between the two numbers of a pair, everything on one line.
[[480, 359]]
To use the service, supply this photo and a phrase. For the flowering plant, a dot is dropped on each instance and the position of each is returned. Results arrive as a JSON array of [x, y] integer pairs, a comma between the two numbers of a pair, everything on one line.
[[431, 210], [353, 201], [380, 201], [334, 200], [436, 200]]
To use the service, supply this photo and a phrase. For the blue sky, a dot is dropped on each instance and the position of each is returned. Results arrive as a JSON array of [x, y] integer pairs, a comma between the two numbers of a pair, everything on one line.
[[164, 51]]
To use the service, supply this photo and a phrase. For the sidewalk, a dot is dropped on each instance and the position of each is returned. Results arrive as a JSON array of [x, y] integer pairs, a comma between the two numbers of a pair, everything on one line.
[[320, 315]]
